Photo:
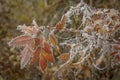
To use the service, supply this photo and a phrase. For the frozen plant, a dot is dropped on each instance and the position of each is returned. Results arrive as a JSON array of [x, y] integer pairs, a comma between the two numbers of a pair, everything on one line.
[[85, 40]]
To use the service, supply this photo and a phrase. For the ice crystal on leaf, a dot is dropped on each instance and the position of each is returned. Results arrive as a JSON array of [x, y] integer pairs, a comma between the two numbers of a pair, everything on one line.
[[34, 46]]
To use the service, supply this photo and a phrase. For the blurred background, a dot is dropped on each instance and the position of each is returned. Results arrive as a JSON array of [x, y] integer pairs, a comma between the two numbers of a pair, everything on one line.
[[45, 12]]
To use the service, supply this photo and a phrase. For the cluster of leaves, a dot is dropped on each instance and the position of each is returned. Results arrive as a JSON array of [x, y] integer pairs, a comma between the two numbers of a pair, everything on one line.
[[34, 46], [91, 44]]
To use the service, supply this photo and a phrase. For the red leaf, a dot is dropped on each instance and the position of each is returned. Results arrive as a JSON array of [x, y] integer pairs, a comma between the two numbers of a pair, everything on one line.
[[36, 54], [42, 63], [48, 57], [20, 40], [47, 48], [25, 58]]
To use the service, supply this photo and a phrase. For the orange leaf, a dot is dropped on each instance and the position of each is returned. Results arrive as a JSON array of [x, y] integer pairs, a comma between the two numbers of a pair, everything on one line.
[[42, 63], [64, 56], [20, 40], [61, 24], [36, 54], [48, 57], [53, 40]]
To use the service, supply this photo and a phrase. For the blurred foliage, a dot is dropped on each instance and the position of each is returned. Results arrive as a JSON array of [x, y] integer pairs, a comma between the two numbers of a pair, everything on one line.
[[46, 12]]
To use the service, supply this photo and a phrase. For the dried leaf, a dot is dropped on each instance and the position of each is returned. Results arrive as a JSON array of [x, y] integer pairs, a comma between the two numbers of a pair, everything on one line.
[[64, 56], [53, 40], [42, 63], [20, 40], [61, 24]]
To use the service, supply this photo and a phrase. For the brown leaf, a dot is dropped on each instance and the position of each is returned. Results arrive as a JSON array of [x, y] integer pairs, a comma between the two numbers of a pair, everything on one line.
[[64, 56], [61, 24], [42, 63], [53, 40], [36, 54], [20, 40]]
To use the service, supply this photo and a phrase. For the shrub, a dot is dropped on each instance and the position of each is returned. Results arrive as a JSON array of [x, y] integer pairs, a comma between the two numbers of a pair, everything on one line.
[[85, 43]]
